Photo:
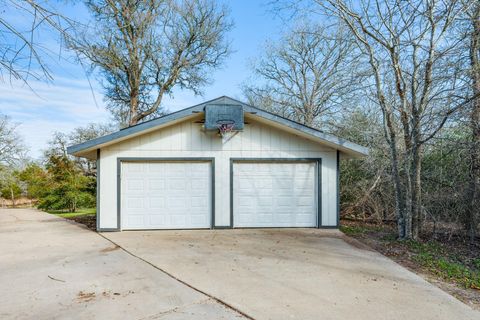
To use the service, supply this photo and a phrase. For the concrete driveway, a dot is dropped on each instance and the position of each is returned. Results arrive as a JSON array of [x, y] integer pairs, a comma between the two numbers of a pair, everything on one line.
[[54, 269], [293, 274]]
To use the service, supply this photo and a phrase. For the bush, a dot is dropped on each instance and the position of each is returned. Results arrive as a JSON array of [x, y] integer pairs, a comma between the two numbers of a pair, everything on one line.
[[62, 186]]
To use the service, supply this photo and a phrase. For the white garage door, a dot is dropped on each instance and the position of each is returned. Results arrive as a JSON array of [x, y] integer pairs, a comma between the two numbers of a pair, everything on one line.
[[274, 194], [166, 195]]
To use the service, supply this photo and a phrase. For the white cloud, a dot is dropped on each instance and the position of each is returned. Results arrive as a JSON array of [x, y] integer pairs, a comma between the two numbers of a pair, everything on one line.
[[65, 104], [46, 108]]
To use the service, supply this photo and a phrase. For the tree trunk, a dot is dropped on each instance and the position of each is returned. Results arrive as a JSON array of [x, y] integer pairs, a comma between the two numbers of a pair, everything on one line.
[[416, 191], [408, 198], [308, 116], [133, 107], [474, 174], [12, 195], [397, 181], [399, 199]]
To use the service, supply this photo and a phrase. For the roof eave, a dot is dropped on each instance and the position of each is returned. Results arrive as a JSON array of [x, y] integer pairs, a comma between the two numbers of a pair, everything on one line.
[[80, 149], [350, 149]]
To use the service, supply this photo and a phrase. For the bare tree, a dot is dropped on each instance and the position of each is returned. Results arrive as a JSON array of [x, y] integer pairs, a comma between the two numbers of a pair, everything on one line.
[[306, 76], [11, 145], [88, 132], [22, 57], [146, 48], [91, 131], [410, 52], [57, 145], [473, 198]]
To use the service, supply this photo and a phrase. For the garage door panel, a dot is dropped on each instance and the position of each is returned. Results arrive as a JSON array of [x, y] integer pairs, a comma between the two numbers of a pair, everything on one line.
[[263, 201], [285, 218], [153, 168], [135, 185], [199, 202], [244, 218], [166, 195], [245, 183], [273, 194], [134, 203], [283, 192], [156, 184], [135, 168], [306, 219], [199, 185], [156, 219], [199, 171], [265, 218], [174, 169], [199, 219], [177, 183], [304, 193], [284, 183], [284, 210], [301, 186], [135, 220], [284, 202], [304, 201], [178, 219]]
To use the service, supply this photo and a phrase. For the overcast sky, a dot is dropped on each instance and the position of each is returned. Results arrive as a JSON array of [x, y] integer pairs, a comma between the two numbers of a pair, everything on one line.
[[70, 100]]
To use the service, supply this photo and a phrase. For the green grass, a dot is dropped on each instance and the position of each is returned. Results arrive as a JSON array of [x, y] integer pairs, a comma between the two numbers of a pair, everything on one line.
[[79, 212], [444, 264], [438, 259]]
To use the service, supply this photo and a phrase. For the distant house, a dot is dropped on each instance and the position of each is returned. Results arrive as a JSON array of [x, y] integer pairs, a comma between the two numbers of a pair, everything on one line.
[[219, 164]]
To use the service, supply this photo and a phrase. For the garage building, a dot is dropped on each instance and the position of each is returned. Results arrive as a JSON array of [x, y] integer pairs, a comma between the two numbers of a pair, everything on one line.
[[219, 164]]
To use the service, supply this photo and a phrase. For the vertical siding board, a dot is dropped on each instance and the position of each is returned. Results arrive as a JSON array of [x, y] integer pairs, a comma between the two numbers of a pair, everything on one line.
[[274, 139], [266, 139], [176, 137], [196, 137], [255, 138], [187, 135], [246, 138], [237, 142], [206, 141]]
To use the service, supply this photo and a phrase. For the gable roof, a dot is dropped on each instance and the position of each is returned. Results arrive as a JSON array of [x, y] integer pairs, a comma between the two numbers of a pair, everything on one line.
[[347, 147]]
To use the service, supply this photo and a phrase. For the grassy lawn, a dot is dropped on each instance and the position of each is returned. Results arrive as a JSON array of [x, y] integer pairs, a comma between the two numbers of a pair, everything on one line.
[[446, 264], [85, 216], [79, 212], [448, 260]]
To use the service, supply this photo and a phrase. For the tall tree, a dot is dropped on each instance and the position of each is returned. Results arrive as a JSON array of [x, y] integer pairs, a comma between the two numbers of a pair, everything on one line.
[[473, 34], [306, 76], [409, 50], [411, 53], [146, 48]]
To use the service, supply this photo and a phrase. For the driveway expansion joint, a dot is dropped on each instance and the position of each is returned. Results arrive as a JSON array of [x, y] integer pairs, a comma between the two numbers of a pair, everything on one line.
[[225, 304]]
